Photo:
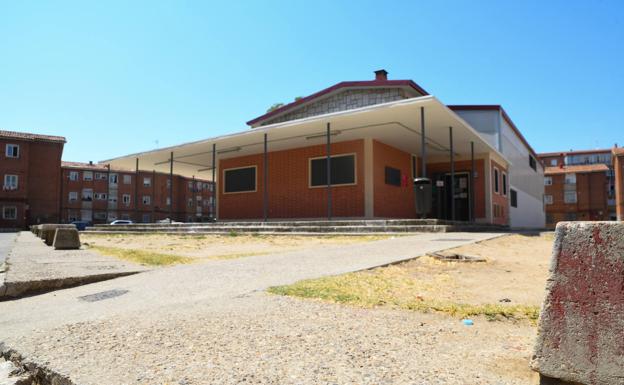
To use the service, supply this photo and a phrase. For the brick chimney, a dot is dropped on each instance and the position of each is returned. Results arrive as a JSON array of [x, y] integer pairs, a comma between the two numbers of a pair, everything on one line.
[[381, 75]]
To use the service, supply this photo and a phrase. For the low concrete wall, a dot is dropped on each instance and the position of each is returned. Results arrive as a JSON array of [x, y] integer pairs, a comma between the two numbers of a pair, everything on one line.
[[581, 329]]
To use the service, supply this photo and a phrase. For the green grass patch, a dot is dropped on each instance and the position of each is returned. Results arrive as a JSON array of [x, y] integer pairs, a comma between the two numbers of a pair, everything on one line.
[[142, 257], [389, 287]]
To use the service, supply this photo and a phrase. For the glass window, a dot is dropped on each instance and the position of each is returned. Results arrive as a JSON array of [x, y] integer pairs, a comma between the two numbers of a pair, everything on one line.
[[73, 175], [553, 162], [513, 197], [342, 170], [147, 199], [239, 180], [87, 175], [548, 181], [570, 178], [73, 196], [87, 194], [532, 163], [548, 199], [113, 179], [10, 182], [125, 199], [147, 182], [12, 151], [9, 212], [569, 196], [393, 176], [496, 187], [504, 184], [127, 179]]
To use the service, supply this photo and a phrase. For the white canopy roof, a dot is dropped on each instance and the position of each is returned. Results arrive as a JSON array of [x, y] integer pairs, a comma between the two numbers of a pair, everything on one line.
[[396, 124]]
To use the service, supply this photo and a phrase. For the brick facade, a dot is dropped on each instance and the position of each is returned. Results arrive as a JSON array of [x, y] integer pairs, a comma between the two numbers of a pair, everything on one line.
[[37, 167], [618, 167], [124, 194]]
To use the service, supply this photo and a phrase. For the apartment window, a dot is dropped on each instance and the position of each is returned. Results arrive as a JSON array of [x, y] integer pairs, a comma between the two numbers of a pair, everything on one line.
[[548, 199], [147, 182], [112, 198], [125, 199], [113, 179], [87, 195], [100, 176], [570, 216], [393, 176], [496, 186], [190, 202], [504, 183], [570, 178], [100, 215], [168, 182], [147, 199], [9, 212], [10, 182], [73, 175], [12, 151], [553, 162], [87, 175], [198, 185], [569, 196], [342, 170], [73, 216], [207, 186], [548, 181], [513, 197], [100, 196], [532, 162], [168, 202], [190, 185], [73, 196], [198, 198], [146, 218], [238, 180], [127, 179], [550, 218]]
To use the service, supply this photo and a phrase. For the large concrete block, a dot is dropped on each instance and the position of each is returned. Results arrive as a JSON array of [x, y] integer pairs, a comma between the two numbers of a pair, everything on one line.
[[47, 231], [66, 239], [581, 328]]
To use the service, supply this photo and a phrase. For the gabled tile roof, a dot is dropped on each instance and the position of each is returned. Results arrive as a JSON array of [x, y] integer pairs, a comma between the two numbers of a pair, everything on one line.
[[84, 166], [341, 85], [580, 168], [31, 137]]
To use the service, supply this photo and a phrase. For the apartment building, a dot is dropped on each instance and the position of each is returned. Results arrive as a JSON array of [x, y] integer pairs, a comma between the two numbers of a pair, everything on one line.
[[30, 168], [100, 194], [579, 185], [618, 170]]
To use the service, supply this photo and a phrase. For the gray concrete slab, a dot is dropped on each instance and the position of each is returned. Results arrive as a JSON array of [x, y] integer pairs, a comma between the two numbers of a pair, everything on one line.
[[76, 332], [33, 267]]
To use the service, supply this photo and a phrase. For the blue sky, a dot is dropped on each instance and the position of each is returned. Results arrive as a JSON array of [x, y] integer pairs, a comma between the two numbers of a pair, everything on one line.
[[121, 77]]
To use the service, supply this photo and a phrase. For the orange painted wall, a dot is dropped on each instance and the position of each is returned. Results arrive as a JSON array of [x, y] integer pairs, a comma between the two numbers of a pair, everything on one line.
[[289, 193]]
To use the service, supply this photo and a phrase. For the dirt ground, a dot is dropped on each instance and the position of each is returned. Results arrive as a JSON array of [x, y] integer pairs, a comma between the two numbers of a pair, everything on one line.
[[218, 246]]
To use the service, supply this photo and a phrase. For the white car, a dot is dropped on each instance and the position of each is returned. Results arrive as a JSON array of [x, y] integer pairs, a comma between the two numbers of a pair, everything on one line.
[[122, 222]]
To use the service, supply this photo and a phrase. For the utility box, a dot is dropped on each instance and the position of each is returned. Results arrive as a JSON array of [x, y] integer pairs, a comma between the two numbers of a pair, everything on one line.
[[422, 195]]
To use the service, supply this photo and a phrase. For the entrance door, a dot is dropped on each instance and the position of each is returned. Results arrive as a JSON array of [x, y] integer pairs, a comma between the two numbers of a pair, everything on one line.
[[442, 196]]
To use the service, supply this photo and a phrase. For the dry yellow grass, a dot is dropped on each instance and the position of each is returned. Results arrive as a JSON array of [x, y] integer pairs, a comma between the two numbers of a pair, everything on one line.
[[142, 257]]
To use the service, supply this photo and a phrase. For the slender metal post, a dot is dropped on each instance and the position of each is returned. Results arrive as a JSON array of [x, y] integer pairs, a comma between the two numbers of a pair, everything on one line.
[[136, 191], [423, 145], [452, 174], [214, 182], [472, 175], [107, 194], [171, 187], [266, 180], [329, 192]]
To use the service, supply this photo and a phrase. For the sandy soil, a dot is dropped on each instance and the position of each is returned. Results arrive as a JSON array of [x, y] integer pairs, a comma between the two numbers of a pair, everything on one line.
[[516, 269], [219, 246]]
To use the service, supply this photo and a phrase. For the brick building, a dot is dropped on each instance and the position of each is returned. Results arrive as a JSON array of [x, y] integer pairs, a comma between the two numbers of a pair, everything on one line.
[[30, 167], [100, 194], [618, 168], [579, 185], [352, 151]]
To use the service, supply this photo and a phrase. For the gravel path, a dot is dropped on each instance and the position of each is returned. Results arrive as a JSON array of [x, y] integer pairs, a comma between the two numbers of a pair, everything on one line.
[[212, 324]]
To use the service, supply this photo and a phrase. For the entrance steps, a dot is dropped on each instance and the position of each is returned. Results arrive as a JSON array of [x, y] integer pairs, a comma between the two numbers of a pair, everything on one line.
[[299, 227]]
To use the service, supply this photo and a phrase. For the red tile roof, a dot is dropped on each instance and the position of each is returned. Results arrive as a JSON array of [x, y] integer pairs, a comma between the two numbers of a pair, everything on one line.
[[365, 83], [618, 151], [84, 166], [580, 168], [496, 107], [31, 137]]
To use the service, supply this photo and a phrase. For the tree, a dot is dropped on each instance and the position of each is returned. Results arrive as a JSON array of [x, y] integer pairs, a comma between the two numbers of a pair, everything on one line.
[[275, 107]]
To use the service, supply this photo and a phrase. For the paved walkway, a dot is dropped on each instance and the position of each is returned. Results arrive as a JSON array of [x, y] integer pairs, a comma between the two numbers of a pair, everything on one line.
[[34, 267], [7, 240], [153, 327]]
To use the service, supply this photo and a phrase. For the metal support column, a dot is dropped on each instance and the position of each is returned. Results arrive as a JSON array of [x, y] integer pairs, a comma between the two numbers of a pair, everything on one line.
[[137, 218], [171, 187], [423, 144], [107, 195], [265, 187], [452, 174], [329, 191], [214, 182], [472, 175]]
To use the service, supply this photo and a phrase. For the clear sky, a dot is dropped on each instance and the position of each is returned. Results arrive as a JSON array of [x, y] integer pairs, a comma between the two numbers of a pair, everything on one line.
[[117, 77]]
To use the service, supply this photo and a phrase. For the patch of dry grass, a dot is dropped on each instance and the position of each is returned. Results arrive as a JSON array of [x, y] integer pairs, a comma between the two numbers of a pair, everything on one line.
[[142, 257]]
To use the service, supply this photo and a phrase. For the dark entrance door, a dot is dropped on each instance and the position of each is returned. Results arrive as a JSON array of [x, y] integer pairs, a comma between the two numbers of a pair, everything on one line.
[[442, 196]]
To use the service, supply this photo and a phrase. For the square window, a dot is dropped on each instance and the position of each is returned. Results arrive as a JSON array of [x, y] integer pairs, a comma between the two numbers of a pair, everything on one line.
[[548, 181], [238, 180], [73, 196], [342, 170], [553, 162], [548, 199], [113, 179], [127, 179], [9, 212], [393, 176], [87, 175], [73, 175], [570, 178], [569, 196], [10, 182], [12, 151], [146, 199], [147, 182], [87, 195], [126, 199]]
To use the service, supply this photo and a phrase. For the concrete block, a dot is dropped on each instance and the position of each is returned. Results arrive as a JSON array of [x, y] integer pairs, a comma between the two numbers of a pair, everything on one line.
[[66, 239], [581, 328], [48, 231]]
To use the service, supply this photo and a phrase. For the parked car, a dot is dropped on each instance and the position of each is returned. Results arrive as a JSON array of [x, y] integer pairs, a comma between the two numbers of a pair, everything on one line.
[[169, 221], [82, 225], [122, 222]]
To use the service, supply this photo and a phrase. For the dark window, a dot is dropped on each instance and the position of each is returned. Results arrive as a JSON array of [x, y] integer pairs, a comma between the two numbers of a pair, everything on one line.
[[532, 163], [342, 170], [570, 216], [393, 176], [240, 179], [496, 188], [504, 184], [513, 195], [550, 218]]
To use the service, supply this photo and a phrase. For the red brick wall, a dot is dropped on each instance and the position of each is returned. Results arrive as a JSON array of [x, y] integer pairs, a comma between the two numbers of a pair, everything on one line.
[[618, 166], [289, 193], [392, 201], [19, 197], [498, 198]]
